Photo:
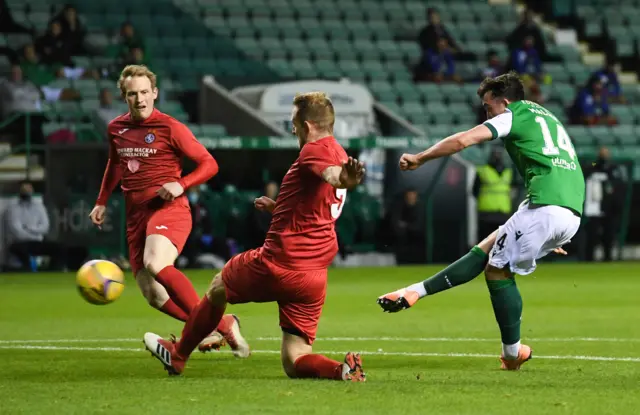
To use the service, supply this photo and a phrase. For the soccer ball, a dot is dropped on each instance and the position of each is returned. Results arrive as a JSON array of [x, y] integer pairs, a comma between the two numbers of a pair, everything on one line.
[[100, 282]]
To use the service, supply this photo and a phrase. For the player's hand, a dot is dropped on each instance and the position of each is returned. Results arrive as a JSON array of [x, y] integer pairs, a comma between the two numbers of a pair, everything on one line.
[[264, 204], [98, 215], [560, 251], [409, 162], [169, 191], [352, 173]]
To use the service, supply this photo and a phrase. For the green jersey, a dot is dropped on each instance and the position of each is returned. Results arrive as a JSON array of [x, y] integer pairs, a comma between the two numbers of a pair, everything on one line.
[[543, 154]]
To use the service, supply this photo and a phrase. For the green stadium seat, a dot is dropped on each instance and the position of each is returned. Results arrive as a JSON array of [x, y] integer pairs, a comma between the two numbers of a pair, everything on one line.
[[440, 131], [410, 50], [407, 91], [625, 134], [468, 118], [593, 28], [86, 133], [87, 88], [453, 93], [579, 135], [603, 135], [394, 10], [328, 69], [388, 50], [587, 12], [625, 47], [414, 111], [557, 72], [623, 113], [383, 91], [303, 68], [375, 70], [393, 107], [430, 92], [213, 130], [51, 127], [195, 129], [587, 152]]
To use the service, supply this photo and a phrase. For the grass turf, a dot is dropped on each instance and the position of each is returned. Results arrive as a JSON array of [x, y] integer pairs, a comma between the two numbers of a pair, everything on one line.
[[439, 357]]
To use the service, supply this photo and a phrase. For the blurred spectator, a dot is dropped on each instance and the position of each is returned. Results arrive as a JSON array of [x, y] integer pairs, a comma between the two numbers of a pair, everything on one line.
[[53, 48], [27, 224], [591, 106], [33, 69], [262, 219], [201, 238], [128, 39], [438, 65], [107, 111], [609, 79], [18, 95], [433, 32], [494, 65], [603, 204], [534, 93], [42, 75], [408, 224], [492, 190], [73, 31], [7, 24], [527, 28], [526, 61], [136, 56]]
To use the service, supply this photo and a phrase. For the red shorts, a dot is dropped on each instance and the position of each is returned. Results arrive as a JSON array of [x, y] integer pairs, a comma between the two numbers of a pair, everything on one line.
[[248, 277], [156, 217]]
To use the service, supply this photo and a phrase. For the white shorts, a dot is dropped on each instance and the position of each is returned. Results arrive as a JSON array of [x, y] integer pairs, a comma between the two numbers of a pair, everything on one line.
[[531, 233]]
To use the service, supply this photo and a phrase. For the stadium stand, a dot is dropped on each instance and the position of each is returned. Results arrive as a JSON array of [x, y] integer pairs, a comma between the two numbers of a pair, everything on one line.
[[243, 42]]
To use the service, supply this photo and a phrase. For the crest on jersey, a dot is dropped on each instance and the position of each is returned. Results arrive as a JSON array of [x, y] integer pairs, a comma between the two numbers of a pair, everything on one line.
[[149, 138], [133, 165]]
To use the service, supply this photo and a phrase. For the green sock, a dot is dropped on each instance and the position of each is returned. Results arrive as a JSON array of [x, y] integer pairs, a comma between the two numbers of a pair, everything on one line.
[[462, 271], [507, 306]]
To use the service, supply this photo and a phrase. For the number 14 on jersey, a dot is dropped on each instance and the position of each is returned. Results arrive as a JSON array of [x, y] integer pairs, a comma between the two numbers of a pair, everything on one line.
[[564, 142]]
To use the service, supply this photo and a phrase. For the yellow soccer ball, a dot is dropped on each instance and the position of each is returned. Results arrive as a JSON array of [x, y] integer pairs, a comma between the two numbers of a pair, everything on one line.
[[100, 282]]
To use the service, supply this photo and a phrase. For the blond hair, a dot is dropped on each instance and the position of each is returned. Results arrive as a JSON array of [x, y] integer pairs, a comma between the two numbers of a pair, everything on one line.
[[315, 108], [135, 70]]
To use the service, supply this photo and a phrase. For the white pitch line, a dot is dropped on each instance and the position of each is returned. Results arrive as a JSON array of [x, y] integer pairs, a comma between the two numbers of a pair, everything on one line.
[[460, 339], [358, 339], [334, 352]]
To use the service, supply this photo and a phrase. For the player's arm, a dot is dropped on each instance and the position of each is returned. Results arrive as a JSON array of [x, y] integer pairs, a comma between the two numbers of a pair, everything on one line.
[[323, 163], [207, 167], [347, 176], [111, 177], [496, 127]]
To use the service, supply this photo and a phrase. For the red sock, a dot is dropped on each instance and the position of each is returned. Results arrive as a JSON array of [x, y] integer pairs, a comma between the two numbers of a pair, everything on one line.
[[201, 322], [318, 366], [173, 310], [179, 288]]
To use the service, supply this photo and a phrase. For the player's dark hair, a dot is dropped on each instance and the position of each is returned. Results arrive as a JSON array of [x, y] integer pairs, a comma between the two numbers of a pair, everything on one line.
[[507, 86]]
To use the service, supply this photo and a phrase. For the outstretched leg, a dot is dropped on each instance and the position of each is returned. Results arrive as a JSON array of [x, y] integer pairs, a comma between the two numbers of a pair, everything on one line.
[[460, 272], [299, 361], [507, 307], [204, 318]]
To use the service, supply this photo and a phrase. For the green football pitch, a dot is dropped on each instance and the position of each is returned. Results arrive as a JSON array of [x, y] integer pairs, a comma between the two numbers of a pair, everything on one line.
[[61, 355]]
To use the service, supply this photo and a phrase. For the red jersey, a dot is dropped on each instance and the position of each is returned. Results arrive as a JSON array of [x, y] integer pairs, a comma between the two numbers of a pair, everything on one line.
[[144, 155], [302, 233]]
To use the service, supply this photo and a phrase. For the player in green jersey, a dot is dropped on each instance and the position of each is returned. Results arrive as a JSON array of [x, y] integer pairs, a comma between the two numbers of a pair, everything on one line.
[[550, 216]]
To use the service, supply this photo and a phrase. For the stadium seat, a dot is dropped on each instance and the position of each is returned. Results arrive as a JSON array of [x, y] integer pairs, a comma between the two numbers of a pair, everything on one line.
[[213, 130]]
